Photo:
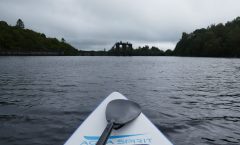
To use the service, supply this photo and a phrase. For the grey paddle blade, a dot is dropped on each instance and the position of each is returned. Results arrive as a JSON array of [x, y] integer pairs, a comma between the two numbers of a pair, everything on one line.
[[118, 113], [122, 111]]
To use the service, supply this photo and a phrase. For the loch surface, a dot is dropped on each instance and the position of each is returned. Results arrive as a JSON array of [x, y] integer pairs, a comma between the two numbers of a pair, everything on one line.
[[191, 100]]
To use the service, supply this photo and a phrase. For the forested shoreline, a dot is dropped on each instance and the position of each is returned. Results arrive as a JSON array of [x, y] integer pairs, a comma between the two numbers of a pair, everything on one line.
[[16, 40], [221, 40]]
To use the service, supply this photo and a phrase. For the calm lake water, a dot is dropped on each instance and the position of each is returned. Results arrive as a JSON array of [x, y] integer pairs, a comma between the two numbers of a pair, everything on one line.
[[192, 100]]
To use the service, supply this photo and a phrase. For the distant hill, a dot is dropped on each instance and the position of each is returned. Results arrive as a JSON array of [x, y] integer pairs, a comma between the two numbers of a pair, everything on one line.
[[15, 40], [221, 40]]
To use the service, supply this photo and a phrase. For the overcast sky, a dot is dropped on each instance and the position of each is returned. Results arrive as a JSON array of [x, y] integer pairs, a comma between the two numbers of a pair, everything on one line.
[[98, 24]]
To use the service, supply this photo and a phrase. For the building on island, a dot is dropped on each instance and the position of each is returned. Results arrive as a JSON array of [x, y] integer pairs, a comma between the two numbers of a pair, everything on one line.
[[122, 45], [121, 49]]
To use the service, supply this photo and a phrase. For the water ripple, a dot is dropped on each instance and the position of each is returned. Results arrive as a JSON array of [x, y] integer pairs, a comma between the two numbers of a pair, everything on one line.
[[192, 100]]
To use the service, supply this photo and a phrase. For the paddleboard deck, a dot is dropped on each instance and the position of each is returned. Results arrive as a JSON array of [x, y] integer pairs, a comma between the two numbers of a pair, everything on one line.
[[141, 131]]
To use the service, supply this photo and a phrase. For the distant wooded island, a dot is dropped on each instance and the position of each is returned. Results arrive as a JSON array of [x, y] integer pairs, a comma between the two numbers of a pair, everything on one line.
[[221, 40]]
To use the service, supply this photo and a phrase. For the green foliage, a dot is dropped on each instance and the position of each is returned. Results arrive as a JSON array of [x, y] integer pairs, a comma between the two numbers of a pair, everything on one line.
[[146, 51], [168, 52], [16, 40], [63, 40], [20, 24], [216, 41], [141, 51]]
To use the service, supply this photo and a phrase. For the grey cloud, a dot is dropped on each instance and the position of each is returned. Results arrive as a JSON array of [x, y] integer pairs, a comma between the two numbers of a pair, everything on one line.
[[97, 24]]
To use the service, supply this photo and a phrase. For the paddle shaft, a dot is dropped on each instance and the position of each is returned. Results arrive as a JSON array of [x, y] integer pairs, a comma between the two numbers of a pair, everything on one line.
[[106, 133]]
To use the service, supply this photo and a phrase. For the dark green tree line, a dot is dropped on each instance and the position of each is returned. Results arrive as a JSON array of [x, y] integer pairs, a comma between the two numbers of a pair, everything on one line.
[[221, 40], [16, 39], [140, 51]]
